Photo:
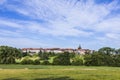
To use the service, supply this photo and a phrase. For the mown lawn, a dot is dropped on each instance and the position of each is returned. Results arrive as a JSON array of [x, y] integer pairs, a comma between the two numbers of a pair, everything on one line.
[[40, 72]]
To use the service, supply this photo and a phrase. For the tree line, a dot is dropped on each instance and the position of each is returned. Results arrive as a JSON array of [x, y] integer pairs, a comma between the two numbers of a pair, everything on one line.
[[105, 56]]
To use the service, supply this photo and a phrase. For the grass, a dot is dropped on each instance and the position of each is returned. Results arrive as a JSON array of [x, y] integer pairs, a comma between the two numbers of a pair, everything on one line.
[[41, 72]]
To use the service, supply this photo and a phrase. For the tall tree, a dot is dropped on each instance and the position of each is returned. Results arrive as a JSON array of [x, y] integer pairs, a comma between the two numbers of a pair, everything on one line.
[[118, 51], [9, 54], [40, 53], [106, 50], [43, 55]]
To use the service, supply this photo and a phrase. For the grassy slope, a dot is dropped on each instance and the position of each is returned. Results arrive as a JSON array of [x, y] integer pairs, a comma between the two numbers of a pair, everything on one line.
[[38, 72]]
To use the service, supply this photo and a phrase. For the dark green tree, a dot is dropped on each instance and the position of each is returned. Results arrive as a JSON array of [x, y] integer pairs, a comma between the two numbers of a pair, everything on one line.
[[51, 54], [36, 62], [117, 60], [94, 59], [99, 59], [62, 59], [77, 60], [45, 62], [9, 54], [72, 55], [43, 55], [118, 51], [27, 61], [40, 53], [106, 50]]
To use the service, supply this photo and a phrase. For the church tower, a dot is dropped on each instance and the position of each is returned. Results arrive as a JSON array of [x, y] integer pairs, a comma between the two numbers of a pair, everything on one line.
[[79, 47]]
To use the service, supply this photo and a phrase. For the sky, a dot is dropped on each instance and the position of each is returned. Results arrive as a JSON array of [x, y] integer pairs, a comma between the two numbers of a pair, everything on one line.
[[60, 23]]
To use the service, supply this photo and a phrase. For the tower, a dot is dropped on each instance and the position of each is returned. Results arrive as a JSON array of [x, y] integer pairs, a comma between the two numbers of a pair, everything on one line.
[[79, 47]]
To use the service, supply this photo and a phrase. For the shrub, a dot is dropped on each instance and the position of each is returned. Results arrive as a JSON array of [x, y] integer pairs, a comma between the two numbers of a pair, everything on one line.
[[36, 62], [94, 59], [98, 59], [62, 59], [9, 60], [77, 61], [27, 61], [43, 55], [117, 60], [45, 62]]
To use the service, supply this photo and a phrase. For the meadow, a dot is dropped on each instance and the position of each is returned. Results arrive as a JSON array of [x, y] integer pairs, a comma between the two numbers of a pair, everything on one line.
[[44, 72]]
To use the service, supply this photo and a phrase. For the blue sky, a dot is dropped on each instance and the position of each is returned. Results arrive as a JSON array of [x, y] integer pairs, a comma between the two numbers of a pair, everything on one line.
[[60, 23]]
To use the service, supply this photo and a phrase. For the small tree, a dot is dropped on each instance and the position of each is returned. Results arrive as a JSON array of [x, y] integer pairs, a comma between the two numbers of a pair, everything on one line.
[[62, 59], [94, 59], [45, 62], [72, 55], [26, 60], [77, 61], [40, 54], [43, 55], [36, 62]]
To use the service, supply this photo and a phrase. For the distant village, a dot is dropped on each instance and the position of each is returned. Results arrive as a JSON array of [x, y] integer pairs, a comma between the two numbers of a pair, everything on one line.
[[79, 50]]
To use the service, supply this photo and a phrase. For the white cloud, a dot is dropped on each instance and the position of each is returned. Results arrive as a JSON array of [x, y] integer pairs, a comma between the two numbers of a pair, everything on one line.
[[109, 25], [63, 16], [22, 42], [10, 23], [68, 18], [10, 33], [113, 36], [33, 27]]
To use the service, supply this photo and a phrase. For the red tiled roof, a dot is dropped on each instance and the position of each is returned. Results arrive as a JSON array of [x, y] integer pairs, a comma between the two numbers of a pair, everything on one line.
[[63, 49]]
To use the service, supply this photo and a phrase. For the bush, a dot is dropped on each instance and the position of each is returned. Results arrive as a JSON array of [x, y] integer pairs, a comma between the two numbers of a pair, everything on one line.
[[27, 61], [94, 59], [117, 60], [62, 59], [45, 62], [98, 59], [36, 62], [9, 60], [43, 55], [77, 61]]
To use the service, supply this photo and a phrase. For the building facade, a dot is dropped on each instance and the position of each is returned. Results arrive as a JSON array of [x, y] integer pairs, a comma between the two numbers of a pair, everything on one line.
[[57, 50]]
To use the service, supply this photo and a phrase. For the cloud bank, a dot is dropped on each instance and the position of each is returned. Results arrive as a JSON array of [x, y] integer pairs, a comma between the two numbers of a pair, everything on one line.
[[66, 21]]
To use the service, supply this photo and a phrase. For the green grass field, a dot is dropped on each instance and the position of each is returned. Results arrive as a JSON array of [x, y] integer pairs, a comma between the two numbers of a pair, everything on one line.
[[40, 72]]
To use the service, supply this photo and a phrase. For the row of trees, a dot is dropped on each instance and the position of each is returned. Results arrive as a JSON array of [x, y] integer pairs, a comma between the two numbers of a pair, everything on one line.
[[108, 50], [105, 56], [100, 59]]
